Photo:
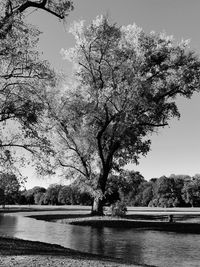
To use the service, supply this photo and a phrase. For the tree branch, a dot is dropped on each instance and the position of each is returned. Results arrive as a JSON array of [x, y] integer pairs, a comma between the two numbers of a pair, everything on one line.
[[26, 147], [6, 22], [100, 133], [28, 4], [75, 149], [153, 124], [71, 166]]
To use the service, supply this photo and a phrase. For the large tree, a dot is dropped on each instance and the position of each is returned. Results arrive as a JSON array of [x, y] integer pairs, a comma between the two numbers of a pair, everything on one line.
[[9, 188], [24, 79], [125, 88]]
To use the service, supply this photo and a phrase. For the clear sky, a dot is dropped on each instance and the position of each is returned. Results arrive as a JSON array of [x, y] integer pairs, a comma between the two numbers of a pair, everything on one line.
[[175, 149]]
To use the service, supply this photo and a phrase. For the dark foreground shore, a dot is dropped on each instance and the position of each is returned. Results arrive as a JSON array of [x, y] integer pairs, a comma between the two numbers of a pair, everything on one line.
[[17, 252]]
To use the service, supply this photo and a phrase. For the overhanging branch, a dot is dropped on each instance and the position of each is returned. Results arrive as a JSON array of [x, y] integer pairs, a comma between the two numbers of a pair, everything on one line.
[[41, 5], [10, 12], [72, 167], [26, 147]]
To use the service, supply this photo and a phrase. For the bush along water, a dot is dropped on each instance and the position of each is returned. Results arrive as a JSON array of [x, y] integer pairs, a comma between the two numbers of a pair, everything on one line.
[[118, 209]]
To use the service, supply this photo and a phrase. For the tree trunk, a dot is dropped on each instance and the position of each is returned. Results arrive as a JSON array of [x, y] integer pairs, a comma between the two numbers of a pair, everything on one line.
[[98, 203], [97, 207]]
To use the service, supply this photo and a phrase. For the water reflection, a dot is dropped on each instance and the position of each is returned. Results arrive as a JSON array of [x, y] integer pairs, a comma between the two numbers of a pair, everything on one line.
[[8, 226], [142, 246]]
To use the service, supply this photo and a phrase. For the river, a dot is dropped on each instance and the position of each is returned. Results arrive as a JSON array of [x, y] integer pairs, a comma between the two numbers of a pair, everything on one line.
[[138, 245]]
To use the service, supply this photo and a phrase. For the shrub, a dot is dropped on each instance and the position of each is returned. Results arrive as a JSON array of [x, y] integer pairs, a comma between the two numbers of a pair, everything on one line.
[[118, 209]]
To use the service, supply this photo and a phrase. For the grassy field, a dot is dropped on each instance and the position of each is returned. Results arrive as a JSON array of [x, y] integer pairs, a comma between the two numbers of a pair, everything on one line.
[[146, 210], [136, 213]]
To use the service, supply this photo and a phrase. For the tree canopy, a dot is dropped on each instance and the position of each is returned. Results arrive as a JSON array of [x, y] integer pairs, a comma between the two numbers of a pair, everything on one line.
[[24, 80], [9, 188], [126, 85], [191, 191]]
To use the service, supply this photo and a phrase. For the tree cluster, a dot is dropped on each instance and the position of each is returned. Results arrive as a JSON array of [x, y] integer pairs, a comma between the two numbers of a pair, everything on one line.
[[172, 191], [128, 187], [55, 194]]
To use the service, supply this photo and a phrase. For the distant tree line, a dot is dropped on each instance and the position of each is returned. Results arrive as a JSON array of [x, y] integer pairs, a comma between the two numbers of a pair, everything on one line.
[[129, 187], [174, 191], [55, 194]]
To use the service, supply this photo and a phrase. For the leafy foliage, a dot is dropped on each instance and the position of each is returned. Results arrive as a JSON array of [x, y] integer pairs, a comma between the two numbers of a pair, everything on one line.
[[172, 191], [9, 188], [145, 194], [32, 196], [55, 194], [123, 186], [52, 193], [191, 192], [66, 195], [15, 9], [125, 88], [24, 81], [166, 192], [118, 209]]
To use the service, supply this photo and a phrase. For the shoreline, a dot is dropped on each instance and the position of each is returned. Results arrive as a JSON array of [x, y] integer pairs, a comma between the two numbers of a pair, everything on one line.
[[23, 253], [126, 222], [178, 227], [15, 251]]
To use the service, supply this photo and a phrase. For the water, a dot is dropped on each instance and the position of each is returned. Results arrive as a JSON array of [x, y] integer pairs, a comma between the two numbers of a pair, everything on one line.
[[138, 245]]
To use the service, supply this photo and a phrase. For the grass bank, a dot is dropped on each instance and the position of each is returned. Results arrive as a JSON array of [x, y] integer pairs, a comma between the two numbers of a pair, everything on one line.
[[184, 223], [178, 227]]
